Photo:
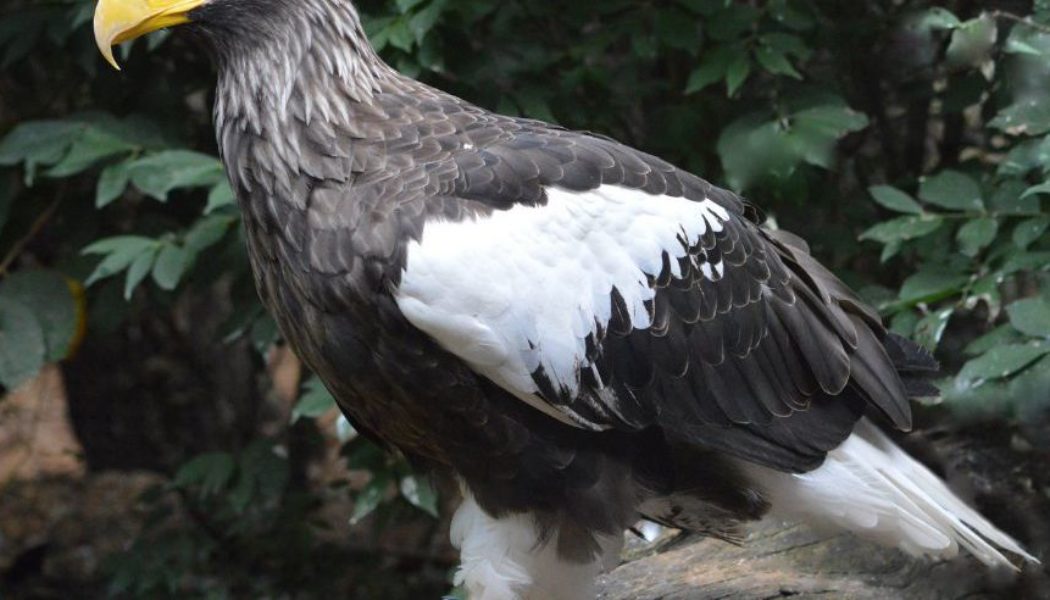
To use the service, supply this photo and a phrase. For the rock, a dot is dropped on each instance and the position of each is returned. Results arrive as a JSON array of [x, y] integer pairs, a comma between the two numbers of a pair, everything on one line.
[[36, 440], [981, 463], [56, 532]]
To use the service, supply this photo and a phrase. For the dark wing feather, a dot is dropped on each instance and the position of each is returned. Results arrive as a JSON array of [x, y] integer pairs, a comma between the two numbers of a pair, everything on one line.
[[773, 359]]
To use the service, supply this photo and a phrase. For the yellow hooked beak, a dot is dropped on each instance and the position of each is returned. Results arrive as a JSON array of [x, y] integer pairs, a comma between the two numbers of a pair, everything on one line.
[[117, 21]]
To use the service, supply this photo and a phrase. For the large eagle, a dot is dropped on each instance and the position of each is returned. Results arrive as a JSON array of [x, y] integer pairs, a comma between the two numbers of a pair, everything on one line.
[[581, 333]]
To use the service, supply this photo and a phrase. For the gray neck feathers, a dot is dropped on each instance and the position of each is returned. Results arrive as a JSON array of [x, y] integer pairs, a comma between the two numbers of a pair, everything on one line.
[[307, 60]]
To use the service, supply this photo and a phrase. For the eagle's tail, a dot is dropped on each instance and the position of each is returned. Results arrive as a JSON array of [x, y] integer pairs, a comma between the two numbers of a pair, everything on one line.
[[870, 486], [915, 365]]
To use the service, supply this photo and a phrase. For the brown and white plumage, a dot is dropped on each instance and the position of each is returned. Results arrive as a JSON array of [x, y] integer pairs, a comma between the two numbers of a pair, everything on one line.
[[581, 333]]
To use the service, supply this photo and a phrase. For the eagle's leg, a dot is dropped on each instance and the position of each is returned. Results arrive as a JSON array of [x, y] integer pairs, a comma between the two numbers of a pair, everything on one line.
[[514, 557]]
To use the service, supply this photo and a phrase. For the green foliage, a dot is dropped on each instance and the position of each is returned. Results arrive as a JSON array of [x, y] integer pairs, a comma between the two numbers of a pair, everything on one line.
[[978, 237], [314, 402], [38, 323], [921, 131], [774, 145]]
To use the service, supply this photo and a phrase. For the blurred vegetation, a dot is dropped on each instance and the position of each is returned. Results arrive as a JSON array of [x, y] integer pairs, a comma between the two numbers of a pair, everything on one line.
[[908, 141]]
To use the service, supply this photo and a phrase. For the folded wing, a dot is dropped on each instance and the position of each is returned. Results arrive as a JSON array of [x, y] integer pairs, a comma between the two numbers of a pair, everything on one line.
[[611, 290]]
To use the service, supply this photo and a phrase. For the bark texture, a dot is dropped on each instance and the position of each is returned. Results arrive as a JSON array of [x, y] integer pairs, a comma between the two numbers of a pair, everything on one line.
[[780, 560]]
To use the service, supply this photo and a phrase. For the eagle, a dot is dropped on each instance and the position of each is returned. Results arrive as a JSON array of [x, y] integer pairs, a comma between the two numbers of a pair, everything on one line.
[[581, 334]]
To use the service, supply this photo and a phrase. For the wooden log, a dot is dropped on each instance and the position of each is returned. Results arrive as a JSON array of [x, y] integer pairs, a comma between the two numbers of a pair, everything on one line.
[[780, 560]]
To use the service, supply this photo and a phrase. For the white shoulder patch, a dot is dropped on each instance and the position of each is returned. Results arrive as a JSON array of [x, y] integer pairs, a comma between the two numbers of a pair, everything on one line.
[[523, 288]]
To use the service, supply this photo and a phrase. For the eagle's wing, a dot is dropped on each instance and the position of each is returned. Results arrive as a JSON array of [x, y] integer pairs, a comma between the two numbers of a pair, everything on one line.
[[613, 290]]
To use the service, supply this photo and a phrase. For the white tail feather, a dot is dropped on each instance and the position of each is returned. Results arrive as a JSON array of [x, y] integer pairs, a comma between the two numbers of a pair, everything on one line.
[[871, 487], [508, 559]]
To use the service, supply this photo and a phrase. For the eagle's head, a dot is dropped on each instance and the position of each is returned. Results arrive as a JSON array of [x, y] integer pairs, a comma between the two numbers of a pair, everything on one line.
[[225, 26], [118, 21]]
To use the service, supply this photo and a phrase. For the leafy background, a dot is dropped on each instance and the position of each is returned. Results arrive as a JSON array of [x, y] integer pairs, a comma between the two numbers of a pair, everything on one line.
[[908, 141]]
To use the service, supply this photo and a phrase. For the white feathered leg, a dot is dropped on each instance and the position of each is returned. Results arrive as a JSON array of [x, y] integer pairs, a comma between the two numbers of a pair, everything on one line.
[[869, 486], [505, 559]]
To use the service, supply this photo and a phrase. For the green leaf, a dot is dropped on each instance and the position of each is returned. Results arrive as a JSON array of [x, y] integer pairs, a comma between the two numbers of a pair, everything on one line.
[[1003, 361], [939, 18], [952, 190], [815, 131], [1008, 199], [1030, 230], [894, 199], [975, 235], [211, 472], [972, 42], [1026, 261], [156, 175], [713, 67], [986, 289], [420, 494], [902, 229], [314, 402], [91, 146], [400, 34], [1027, 40], [172, 262], [368, 499], [48, 295], [791, 14], [758, 145], [1022, 397], [406, 5], [1000, 336], [930, 286], [904, 323], [832, 120], [422, 22], [1025, 157], [786, 43], [929, 330], [775, 61], [534, 104], [220, 196], [38, 142], [207, 232], [74, 144], [111, 184], [1027, 116], [889, 250], [1030, 316], [262, 476], [23, 348], [734, 22], [138, 270], [120, 251], [736, 73], [1042, 188], [121, 243], [362, 455]]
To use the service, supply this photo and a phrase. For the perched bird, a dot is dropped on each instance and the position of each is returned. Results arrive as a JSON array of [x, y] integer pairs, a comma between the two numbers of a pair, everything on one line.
[[582, 334]]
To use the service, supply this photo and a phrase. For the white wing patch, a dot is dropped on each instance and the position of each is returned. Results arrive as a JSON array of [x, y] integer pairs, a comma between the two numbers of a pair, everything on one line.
[[523, 288]]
